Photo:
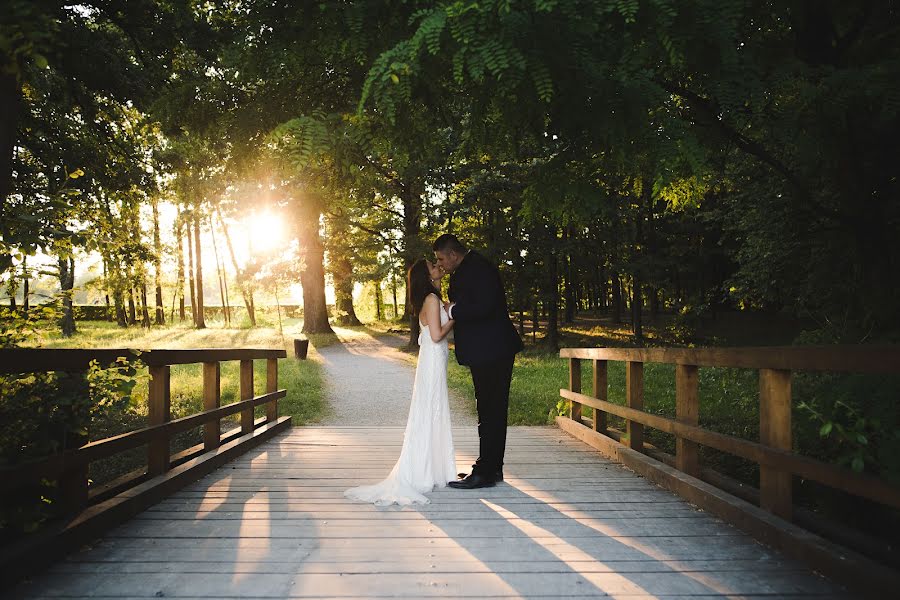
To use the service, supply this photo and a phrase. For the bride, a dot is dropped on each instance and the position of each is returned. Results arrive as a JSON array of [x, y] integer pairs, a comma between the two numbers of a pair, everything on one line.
[[427, 458]]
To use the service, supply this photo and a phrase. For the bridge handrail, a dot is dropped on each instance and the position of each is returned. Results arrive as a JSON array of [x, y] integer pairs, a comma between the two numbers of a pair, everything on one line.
[[71, 467], [774, 450]]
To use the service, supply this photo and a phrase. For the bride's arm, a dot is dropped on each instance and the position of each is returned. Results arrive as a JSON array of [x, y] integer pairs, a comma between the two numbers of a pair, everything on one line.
[[432, 310]]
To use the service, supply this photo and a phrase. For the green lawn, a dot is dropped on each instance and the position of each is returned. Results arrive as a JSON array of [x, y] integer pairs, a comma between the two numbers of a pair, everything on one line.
[[303, 380]]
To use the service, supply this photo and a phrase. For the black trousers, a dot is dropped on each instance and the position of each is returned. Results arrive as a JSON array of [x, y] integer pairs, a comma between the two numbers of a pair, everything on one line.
[[491, 383]]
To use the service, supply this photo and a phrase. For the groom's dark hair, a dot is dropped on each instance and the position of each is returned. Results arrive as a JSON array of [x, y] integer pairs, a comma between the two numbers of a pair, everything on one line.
[[448, 241]]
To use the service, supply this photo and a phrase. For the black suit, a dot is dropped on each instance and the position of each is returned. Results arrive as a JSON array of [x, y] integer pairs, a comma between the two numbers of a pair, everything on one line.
[[487, 342]]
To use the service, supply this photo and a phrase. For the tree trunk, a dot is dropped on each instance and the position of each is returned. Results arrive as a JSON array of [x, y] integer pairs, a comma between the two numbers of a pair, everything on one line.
[[12, 288], [568, 284], [26, 287], [220, 273], [616, 297], [145, 310], [179, 284], [157, 265], [411, 197], [246, 290], [602, 295], [67, 284], [551, 298], [191, 287], [343, 291], [394, 293], [312, 278], [109, 312], [653, 292], [200, 319], [132, 308], [10, 96], [636, 306], [378, 301]]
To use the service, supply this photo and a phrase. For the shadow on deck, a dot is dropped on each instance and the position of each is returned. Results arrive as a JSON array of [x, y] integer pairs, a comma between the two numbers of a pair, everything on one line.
[[565, 523]]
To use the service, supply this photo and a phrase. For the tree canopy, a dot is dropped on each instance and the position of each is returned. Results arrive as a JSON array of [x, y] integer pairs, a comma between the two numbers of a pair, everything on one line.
[[630, 156]]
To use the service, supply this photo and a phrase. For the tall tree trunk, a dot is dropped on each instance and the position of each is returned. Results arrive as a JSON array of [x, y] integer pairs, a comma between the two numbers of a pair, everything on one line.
[[602, 294], [411, 197], [179, 284], [26, 286], [157, 265], [220, 272], [67, 285], [246, 290], [551, 298], [343, 291], [12, 288], [653, 292], [394, 293], [132, 308], [312, 278], [118, 296], [616, 297], [145, 310], [10, 101], [200, 319], [378, 301], [191, 286], [109, 312], [636, 305], [569, 315]]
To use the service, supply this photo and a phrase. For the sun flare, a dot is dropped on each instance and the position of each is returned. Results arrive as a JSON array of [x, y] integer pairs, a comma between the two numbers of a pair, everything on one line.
[[265, 232]]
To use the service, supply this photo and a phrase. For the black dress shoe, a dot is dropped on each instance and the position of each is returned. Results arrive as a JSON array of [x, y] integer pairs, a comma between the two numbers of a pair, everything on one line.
[[473, 481], [497, 477]]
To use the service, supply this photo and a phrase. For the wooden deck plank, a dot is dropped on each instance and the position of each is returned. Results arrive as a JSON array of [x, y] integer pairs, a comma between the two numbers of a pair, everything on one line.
[[566, 523]]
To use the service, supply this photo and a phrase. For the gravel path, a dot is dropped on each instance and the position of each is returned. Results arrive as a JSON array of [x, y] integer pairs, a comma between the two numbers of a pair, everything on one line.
[[369, 382]]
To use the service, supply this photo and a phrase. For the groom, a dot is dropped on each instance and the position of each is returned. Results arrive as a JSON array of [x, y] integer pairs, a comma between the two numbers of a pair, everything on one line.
[[486, 341]]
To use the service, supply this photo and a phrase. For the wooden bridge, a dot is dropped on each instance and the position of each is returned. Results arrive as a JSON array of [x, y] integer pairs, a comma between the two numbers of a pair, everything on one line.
[[259, 513]]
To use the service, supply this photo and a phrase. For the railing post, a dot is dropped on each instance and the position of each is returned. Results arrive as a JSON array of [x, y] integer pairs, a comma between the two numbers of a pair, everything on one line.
[[73, 486], [575, 386], [601, 391], [246, 394], [159, 410], [775, 430], [272, 386], [687, 410], [212, 397], [634, 393]]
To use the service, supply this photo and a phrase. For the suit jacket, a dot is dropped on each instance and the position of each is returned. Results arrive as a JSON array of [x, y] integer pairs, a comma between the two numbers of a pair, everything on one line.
[[483, 332]]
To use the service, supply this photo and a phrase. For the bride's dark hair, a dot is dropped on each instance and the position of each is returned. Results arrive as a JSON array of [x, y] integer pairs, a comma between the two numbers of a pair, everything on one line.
[[418, 285]]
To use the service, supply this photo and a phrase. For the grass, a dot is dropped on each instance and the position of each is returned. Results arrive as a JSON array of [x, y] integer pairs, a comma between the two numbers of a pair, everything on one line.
[[303, 380]]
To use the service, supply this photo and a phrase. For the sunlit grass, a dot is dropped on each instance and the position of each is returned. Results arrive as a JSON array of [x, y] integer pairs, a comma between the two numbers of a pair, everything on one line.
[[303, 379]]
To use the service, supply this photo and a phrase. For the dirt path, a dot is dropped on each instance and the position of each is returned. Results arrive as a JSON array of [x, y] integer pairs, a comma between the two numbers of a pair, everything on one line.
[[369, 382]]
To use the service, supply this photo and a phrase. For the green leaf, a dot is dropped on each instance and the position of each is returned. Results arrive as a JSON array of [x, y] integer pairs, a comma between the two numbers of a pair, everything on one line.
[[394, 78], [857, 464], [826, 429]]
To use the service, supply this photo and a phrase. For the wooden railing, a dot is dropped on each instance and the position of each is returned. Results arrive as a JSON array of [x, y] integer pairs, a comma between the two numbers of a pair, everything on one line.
[[773, 453], [70, 468]]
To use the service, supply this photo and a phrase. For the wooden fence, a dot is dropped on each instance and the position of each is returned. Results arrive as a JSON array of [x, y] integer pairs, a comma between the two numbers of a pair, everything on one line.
[[773, 453], [164, 472]]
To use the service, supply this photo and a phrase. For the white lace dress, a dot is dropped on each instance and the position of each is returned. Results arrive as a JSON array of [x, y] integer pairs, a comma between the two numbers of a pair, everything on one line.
[[427, 460]]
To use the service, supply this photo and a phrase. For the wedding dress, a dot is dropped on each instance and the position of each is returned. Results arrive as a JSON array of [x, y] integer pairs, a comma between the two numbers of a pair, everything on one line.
[[426, 459]]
